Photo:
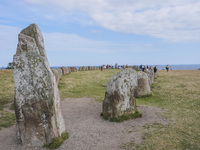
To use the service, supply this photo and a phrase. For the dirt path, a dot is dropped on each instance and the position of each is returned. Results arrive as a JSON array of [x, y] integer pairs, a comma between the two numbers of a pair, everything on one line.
[[88, 131]]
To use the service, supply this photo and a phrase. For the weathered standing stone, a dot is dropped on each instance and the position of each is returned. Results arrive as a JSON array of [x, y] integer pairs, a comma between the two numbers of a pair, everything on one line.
[[120, 92], [136, 68], [143, 88], [65, 70], [58, 74], [150, 75], [116, 66], [83, 68], [73, 69], [37, 99]]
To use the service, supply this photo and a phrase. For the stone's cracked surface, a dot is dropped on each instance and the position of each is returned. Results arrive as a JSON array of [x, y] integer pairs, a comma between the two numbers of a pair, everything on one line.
[[58, 74], [37, 99], [65, 70], [143, 88], [150, 74], [120, 93]]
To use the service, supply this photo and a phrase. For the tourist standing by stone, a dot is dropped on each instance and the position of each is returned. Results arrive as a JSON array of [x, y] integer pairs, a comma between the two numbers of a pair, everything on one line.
[[101, 68], [167, 68], [155, 71], [147, 67], [141, 67], [104, 67]]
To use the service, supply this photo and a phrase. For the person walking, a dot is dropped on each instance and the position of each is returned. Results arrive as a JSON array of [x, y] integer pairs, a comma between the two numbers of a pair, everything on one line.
[[167, 68], [155, 71]]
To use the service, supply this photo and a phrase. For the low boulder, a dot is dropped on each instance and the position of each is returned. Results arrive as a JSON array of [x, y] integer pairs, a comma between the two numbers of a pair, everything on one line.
[[119, 97]]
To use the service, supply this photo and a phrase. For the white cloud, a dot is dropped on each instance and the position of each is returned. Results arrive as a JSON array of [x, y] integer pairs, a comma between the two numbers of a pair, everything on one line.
[[172, 20], [74, 43], [8, 43], [8, 38]]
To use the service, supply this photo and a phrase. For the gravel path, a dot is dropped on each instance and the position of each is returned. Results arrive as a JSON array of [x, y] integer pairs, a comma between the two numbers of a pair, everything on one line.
[[88, 131]]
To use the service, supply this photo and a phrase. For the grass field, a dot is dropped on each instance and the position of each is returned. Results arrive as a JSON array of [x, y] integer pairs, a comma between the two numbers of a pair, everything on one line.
[[176, 91]]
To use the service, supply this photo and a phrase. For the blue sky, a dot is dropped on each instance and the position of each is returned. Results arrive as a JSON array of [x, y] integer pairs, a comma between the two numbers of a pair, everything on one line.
[[95, 32]]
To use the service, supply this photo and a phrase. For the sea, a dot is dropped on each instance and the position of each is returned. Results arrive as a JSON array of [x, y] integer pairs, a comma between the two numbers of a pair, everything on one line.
[[160, 67]]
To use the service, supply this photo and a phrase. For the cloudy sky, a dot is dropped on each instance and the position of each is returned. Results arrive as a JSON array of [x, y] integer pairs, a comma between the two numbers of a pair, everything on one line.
[[94, 32]]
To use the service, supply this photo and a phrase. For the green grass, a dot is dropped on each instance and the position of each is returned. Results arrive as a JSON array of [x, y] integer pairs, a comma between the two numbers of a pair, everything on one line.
[[7, 119], [178, 92], [57, 142], [6, 87], [85, 84]]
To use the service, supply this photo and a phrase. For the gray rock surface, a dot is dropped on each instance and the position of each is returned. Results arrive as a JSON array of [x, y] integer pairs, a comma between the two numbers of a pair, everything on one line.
[[65, 70], [150, 75], [120, 92], [116, 66], [58, 74], [73, 69], [37, 99], [143, 88], [83, 68]]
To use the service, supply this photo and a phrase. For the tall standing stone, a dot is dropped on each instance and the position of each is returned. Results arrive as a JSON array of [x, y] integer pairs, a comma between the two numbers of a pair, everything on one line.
[[37, 98], [120, 92]]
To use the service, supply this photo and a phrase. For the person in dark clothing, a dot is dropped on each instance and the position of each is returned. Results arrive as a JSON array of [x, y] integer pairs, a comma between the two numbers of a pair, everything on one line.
[[141, 67], [167, 68], [155, 71]]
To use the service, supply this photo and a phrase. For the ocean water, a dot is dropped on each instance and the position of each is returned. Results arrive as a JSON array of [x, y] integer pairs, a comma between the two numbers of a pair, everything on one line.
[[160, 67], [181, 67]]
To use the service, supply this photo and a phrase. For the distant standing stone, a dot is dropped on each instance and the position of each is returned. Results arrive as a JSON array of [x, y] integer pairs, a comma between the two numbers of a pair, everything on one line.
[[150, 75], [65, 70], [120, 92], [37, 98], [143, 88], [116, 66]]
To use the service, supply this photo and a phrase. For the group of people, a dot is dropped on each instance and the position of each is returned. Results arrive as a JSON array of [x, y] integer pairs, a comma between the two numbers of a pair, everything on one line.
[[143, 68]]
